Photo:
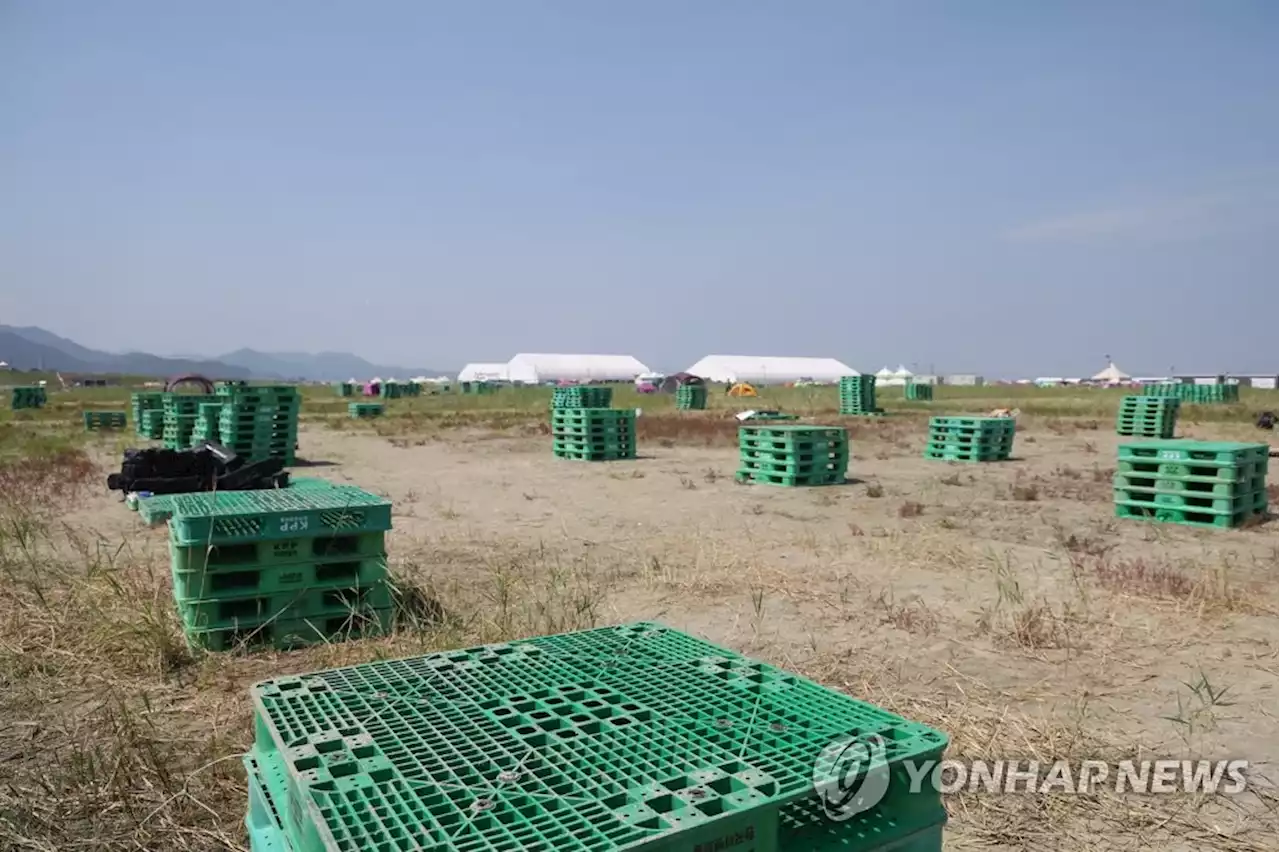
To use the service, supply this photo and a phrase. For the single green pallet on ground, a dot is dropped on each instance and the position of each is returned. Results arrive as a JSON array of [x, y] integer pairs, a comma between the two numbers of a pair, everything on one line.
[[1171, 515], [306, 602], [364, 409], [277, 551], [286, 634], [236, 516], [249, 580], [105, 420], [631, 737], [1187, 485], [802, 825]]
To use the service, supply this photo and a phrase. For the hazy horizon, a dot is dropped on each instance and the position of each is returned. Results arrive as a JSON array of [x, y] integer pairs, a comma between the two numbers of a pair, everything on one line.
[[1004, 189]]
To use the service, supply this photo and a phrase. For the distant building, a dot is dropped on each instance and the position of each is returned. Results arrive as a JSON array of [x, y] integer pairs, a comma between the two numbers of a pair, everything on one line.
[[964, 379], [769, 369]]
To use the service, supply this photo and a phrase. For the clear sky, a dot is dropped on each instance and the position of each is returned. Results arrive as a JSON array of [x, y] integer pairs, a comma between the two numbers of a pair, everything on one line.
[[1006, 187]]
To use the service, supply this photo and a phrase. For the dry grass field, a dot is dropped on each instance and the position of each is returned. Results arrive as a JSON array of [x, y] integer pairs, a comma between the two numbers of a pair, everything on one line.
[[1001, 603]]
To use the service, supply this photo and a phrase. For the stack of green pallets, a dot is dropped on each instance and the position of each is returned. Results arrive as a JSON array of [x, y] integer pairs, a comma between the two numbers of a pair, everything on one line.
[[593, 434], [141, 402], [793, 455], [973, 439], [858, 395], [27, 397], [284, 568], [390, 390], [918, 391], [582, 396], [151, 424], [180, 414], [1190, 392], [1201, 483], [634, 737], [691, 397], [94, 420], [477, 387], [260, 421], [1147, 416], [356, 410], [207, 426], [345, 389]]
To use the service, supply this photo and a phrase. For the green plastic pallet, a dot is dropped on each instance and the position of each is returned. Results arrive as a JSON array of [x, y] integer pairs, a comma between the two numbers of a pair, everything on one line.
[[285, 634], [105, 420], [1195, 452], [236, 516], [249, 581], [827, 469], [1196, 472], [1187, 485], [636, 737], [1171, 515], [291, 605], [1206, 504], [802, 826], [276, 551], [839, 454], [619, 454], [793, 480]]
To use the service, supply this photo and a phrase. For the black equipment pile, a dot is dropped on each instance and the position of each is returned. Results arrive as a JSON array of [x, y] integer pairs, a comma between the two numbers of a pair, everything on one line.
[[208, 467]]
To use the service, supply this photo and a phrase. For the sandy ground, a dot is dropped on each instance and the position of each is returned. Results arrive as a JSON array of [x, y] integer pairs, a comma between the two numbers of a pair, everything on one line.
[[1023, 627]]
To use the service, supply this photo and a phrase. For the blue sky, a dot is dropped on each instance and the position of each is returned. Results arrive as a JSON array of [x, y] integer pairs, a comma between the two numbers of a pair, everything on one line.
[[993, 186]]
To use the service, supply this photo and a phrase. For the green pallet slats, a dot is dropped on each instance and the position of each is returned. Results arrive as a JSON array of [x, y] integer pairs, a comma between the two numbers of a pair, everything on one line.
[[1189, 392], [151, 424], [282, 568], [142, 402], [181, 412], [27, 397], [356, 410], [582, 396], [1198, 483], [593, 434], [792, 455], [260, 421], [1148, 416], [918, 391], [629, 737], [94, 420], [971, 439], [345, 389], [691, 397], [858, 395]]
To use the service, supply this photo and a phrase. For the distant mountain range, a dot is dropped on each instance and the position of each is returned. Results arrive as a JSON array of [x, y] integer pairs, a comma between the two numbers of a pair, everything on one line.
[[31, 348]]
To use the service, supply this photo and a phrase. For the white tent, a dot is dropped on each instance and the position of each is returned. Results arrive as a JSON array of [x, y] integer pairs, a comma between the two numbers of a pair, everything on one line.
[[536, 368], [1112, 375], [483, 372], [764, 370], [883, 373]]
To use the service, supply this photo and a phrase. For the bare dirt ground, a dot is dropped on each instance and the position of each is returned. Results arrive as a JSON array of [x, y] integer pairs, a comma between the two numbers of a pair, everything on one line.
[[1002, 603]]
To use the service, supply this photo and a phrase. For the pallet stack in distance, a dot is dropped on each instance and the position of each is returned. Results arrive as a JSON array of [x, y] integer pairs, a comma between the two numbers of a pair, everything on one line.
[[858, 395], [792, 455], [361, 410], [181, 411], [145, 425], [281, 568], [583, 427], [970, 439], [1215, 394], [96, 420], [918, 391], [1148, 416], [691, 397], [636, 736], [1199, 483], [27, 397], [260, 421]]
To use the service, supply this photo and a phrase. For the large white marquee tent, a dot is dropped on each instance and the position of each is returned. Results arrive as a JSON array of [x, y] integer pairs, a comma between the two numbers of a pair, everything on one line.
[[769, 370], [483, 372], [535, 368]]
